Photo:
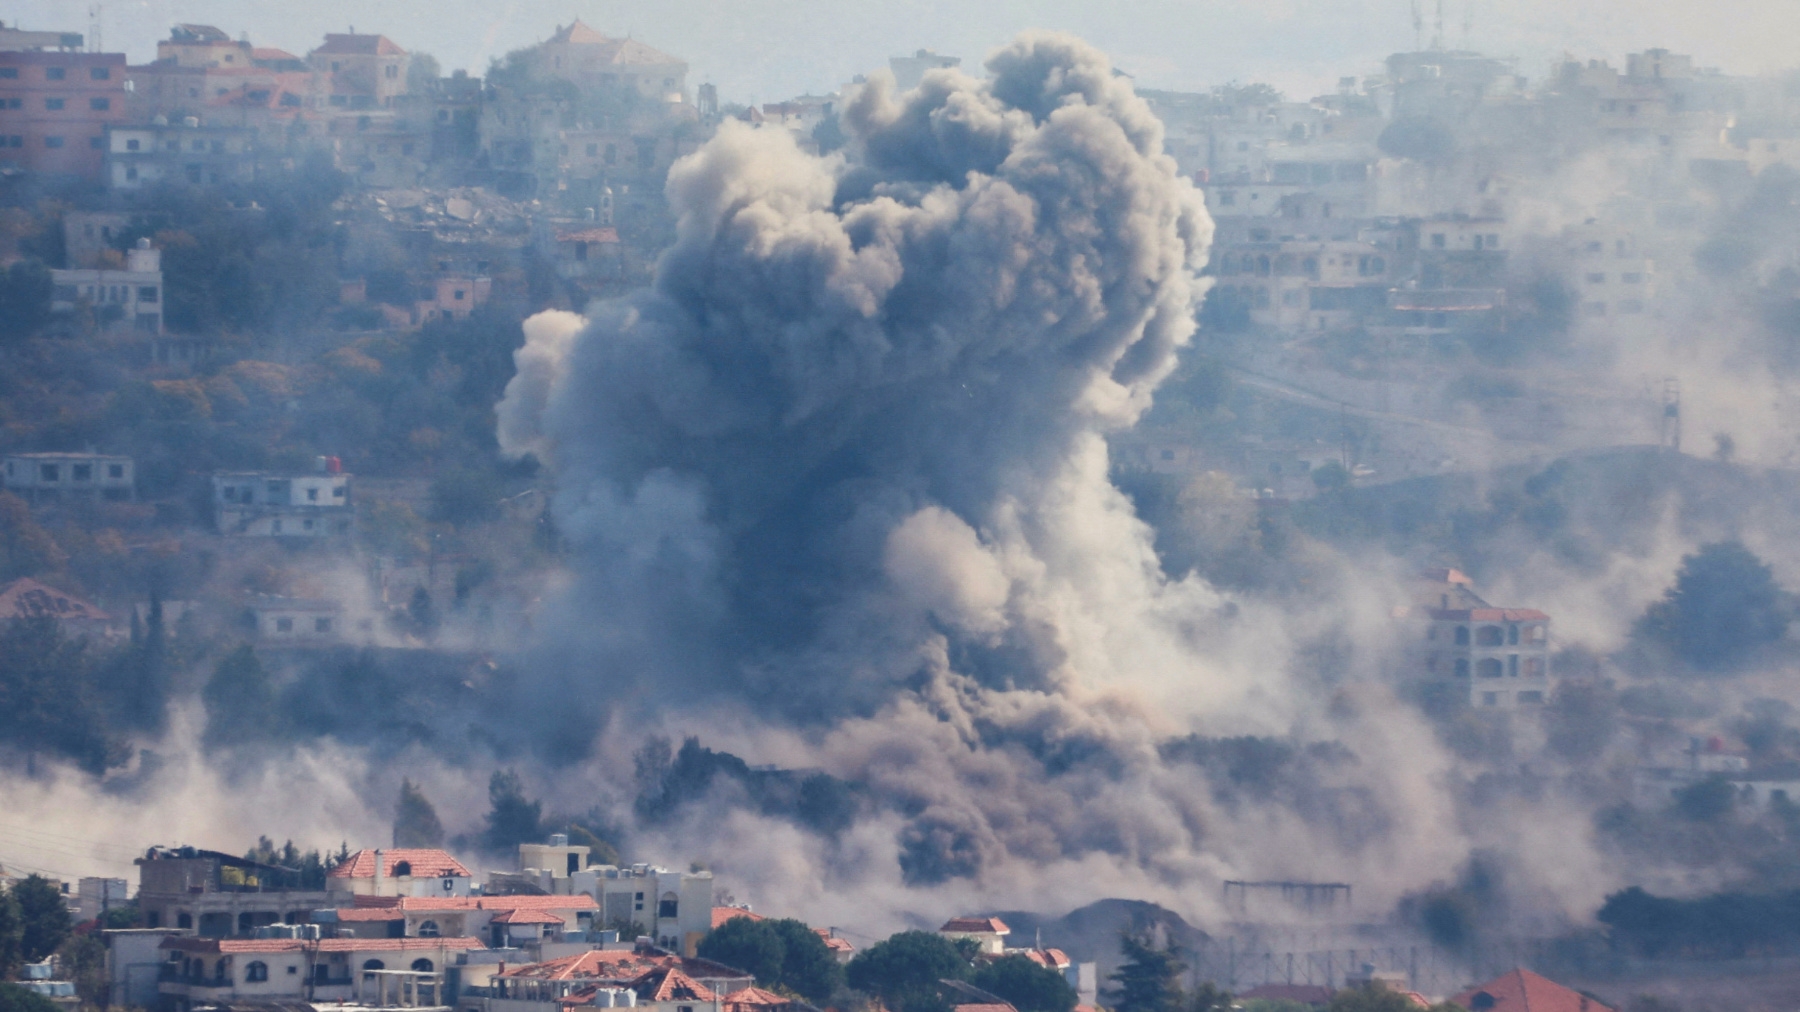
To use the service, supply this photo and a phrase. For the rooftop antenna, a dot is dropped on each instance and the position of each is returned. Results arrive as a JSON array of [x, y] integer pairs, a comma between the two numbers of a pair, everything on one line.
[[93, 39]]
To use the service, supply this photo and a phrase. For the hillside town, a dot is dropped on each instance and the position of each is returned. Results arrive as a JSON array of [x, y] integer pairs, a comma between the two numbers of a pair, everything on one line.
[[257, 310], [411, 928]]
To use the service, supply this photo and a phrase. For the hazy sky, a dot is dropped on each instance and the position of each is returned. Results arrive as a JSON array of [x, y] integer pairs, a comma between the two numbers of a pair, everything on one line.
[[768, 50]]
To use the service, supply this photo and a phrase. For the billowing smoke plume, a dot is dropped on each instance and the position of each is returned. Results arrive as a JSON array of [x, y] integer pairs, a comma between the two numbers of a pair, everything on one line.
[[846, 463], [861, 411]]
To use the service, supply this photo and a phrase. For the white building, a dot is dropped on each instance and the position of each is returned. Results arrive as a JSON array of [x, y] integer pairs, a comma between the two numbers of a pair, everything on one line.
[[296, 620], [130, 298], [910, 70], [399, 871], [286, 505], [185, 153], [37, 477]]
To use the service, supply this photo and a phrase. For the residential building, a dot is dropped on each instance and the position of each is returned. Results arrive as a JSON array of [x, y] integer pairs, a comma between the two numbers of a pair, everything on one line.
[[121, 299], [55, 106], [366, 71], [399, 871], [134, 965], [95, 896], [295, 620], [217, 895], [376, 972], [186, 153], [1520, 990], [537, 919], [91, 238], [610, 978], [54, 477], [26, 598], [284, 504], [988, 933], [910, 70], [593, 61], [672, 907], [579, 250], [1494, 657], [15, 40]]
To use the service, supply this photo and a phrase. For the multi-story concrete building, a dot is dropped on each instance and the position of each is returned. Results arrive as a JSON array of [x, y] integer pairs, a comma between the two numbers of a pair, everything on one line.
[[284, 505], [366, 71], [218, 895], [1498, 657], [592, 60], [372, 972], [55, 106], [185, 153], [121, 299], [49, 477]]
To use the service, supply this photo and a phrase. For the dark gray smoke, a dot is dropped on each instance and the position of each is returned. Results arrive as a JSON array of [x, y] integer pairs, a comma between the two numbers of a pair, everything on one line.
[[774, 465]]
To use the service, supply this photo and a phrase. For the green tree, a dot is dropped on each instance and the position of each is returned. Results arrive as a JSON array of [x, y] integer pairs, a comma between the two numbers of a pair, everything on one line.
[[1028, 986], [415, 820], [25, 291], [12, 932], [1207, 998], [1723, 605], [82, 959], [748, 944], [43, 917], [240, 700], [1150, 978], [512, 818], [26, 549], [904, 969], [807, 966], [46, 698], [14, 998]]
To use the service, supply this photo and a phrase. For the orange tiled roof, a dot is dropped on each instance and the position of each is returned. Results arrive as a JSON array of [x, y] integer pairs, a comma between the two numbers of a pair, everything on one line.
[[1054, 959], [367, 915], [520, 915], [722, 914], [668, 983], [832, 942], [226, 945], [579, 34], [422, 862], [985, 1007], [1520, 990], [753, 997], [977, 925], [611, 965]]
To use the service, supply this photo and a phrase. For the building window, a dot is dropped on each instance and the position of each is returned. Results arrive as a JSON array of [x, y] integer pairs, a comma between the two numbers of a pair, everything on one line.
[[97, 143], [321, 625], [118, 470], [1488, 667], [55, 73], [100, 73], [256, 972], [1531, 696], [9, 73], [374, 964], [1490, 699], [53, 142], [312, 494], [1596, 279], [428, 929], [1488, 636], [147, 293], [284, 624], [667, 907], [392, 72], [81, 472], [1437, 240], [54, 104], [49, 472], [132, 144], [99, 104]]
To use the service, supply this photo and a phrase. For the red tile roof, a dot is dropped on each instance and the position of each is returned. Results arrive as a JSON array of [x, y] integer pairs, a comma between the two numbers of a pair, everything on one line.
[[832, 942], [1054, 959], [606, 965], [360, 45], [1520, 990], [722, 914], [667, 983], [523, 916], [423, 862], [27, 598], [985, 1007], [579, 34], [976, 925], [753, 997]]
